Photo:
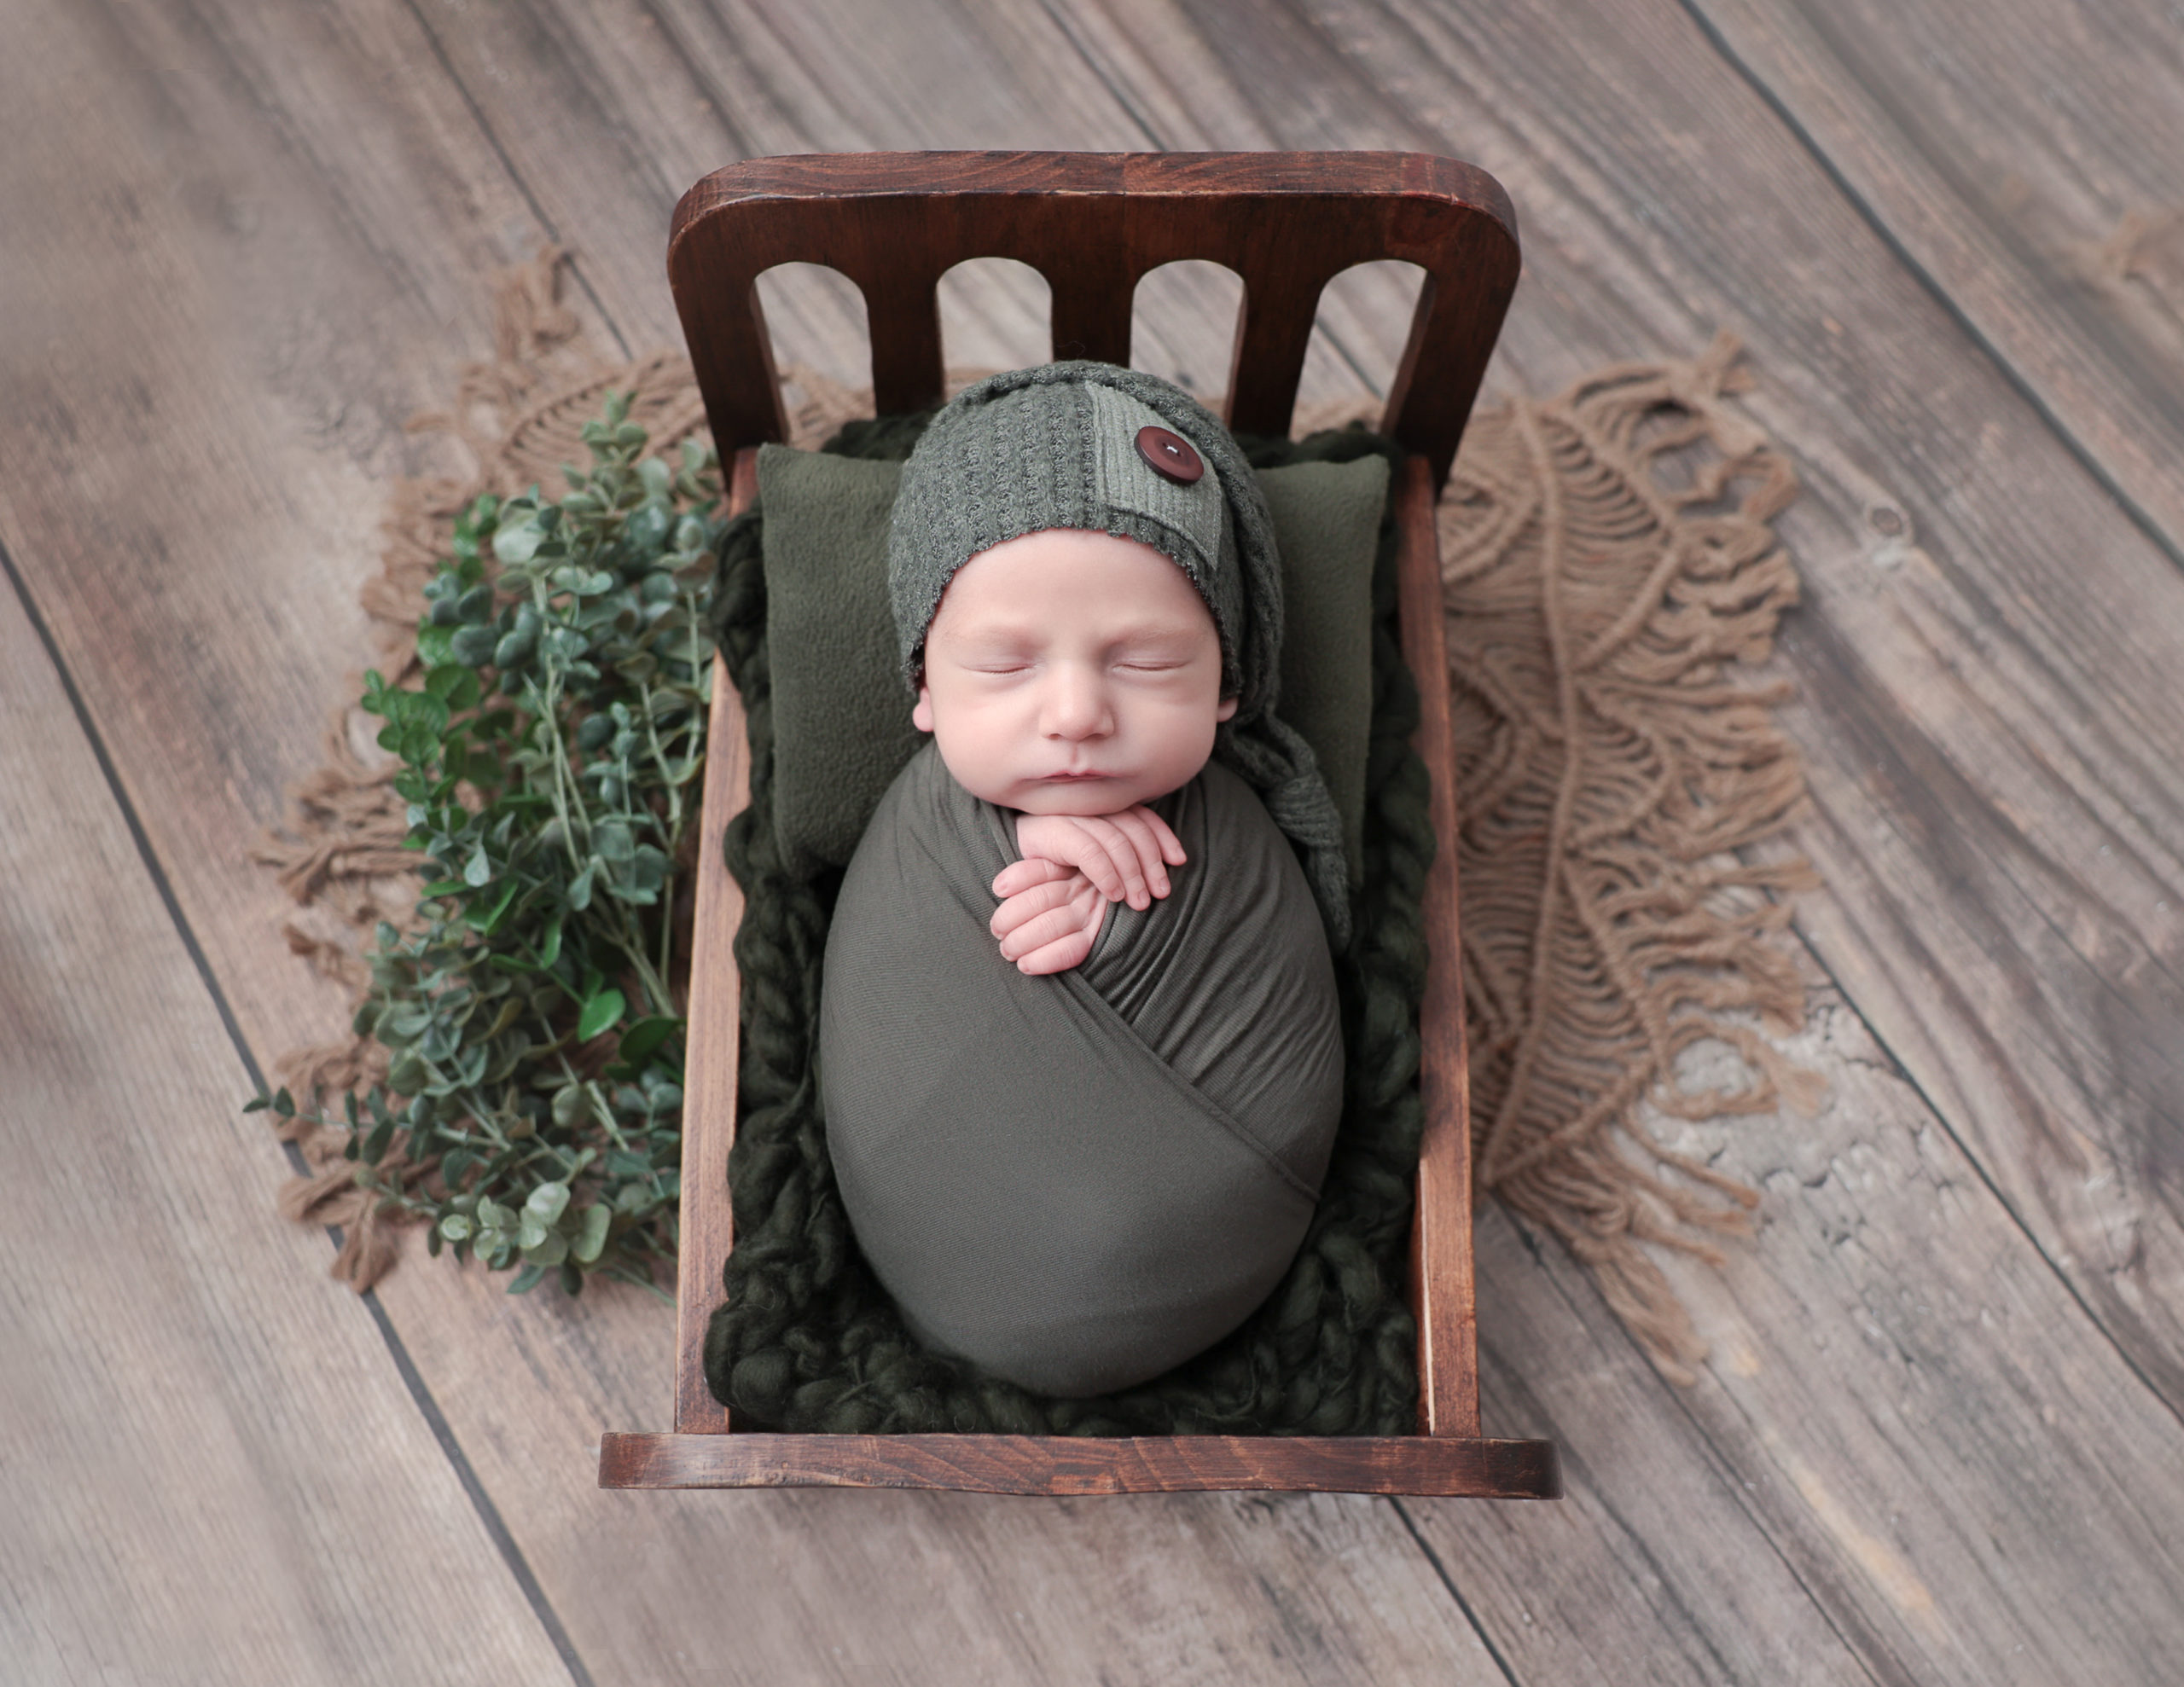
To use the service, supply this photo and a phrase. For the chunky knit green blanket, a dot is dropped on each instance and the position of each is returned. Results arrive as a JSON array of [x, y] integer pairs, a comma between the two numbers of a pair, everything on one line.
[[807, 1341]]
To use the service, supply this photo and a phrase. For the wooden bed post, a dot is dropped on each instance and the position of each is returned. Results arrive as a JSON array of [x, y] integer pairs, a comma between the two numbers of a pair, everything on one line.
[[1441, 1290]]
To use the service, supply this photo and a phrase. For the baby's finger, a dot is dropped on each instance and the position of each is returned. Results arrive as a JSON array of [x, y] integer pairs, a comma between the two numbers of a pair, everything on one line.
[[1032, 870], [1027, 904], [1094, 855], [1171, 847], [1131, 823], [1123, 852], [1058, 956], [1036, 933]]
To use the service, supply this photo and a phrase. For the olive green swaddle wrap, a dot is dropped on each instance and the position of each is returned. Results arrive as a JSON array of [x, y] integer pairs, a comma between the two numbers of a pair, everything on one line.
[[1079, 1180]]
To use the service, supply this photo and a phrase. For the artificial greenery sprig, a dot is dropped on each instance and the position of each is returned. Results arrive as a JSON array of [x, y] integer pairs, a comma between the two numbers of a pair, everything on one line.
[[532, 1111]]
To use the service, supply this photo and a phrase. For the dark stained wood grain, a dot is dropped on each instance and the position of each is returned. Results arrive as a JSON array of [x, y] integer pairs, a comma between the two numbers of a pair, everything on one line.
[[1093, 225], [1081, 1466], [1442, 1288]]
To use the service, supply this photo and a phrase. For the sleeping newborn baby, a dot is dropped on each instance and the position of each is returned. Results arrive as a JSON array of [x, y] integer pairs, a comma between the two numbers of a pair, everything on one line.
[[1080, 1052]]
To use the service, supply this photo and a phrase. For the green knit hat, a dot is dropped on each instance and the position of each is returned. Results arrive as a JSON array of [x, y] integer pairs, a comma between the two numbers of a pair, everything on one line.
[[1076, 445]]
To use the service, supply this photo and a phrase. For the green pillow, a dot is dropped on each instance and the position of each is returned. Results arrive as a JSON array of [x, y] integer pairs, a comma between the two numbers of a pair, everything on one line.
[[842, 724]]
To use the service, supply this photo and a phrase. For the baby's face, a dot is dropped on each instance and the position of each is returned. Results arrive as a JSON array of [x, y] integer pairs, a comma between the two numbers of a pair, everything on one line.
[[1072, 673]]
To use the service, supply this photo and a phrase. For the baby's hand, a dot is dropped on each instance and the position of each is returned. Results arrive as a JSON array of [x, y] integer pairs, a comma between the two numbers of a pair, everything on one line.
[[1074, 865], [1126, 855], [1050, 920]]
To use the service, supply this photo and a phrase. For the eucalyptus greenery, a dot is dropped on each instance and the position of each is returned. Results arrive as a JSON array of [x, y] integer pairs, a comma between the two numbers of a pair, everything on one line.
[[532, 1111]]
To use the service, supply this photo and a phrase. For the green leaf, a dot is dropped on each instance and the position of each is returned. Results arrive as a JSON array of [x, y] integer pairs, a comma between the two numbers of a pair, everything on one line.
[[551, 1249], [599, 1012], [613, 842], [472, 647], [435, 645], [409, 1074], [485, 921], [591, 1235], [416, 742], [597, 628], [526, 1280], [518, 543], [454, 684], [644, 1035]]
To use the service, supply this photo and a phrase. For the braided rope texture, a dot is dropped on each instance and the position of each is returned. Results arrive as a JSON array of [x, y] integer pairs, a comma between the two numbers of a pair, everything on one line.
[[808, 1342]]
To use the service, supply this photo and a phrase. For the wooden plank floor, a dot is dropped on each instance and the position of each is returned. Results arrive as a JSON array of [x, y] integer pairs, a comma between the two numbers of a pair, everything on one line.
[[1938, 1440]]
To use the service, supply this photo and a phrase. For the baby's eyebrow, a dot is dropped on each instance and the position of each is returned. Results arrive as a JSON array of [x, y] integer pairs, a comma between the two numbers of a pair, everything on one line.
[[1012, 633], [1034, 633], [1157, 632]]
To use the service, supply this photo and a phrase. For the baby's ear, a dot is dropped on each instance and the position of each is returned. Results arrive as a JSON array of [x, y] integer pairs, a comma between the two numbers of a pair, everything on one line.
[[1227, 709], [921, 712]]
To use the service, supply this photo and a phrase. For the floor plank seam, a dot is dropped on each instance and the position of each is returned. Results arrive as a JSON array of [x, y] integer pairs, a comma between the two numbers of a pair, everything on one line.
[[2169, 545], [1059, 17], [1449, 1584], [516, 176], [137, 835], [488, 1514]]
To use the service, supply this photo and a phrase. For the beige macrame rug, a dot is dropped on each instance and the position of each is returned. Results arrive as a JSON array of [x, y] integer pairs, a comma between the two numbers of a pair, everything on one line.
[[1609, 560]]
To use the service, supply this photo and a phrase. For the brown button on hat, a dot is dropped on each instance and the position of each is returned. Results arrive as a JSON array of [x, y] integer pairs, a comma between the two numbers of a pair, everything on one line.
[[1171, 454]]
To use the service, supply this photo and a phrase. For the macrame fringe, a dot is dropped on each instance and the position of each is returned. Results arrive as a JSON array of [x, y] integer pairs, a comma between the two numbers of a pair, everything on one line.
[[1608, 555]]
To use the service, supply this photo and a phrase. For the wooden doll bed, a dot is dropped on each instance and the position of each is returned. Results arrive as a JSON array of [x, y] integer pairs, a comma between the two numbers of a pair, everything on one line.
[[1093, 225]]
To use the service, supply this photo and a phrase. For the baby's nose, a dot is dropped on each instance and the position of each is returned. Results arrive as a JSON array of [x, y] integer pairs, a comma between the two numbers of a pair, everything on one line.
[[1076, 704]]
